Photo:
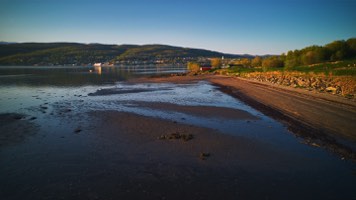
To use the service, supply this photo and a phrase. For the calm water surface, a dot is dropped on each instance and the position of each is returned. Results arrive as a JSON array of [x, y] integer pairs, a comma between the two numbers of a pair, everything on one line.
[[44, 161]]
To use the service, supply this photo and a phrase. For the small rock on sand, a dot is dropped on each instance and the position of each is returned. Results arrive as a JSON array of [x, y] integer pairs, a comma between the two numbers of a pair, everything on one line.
[[204, 156], [77, 130], [176, 136]]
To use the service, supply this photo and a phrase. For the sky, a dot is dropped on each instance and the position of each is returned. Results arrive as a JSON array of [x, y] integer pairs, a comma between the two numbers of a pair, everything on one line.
[[254, 27]]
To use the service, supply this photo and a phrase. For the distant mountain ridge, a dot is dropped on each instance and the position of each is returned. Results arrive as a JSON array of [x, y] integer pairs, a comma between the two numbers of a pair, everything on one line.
[[77, 53], [2, 42]]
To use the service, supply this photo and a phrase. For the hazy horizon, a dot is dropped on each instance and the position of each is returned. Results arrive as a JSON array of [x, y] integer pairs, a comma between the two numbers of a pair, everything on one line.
[[237, 27]]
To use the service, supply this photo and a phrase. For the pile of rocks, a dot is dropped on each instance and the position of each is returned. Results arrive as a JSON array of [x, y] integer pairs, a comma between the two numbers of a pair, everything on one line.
[[345, 86]]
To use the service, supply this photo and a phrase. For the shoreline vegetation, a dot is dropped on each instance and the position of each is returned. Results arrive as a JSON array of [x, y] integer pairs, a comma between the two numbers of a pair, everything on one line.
[[330, 68]]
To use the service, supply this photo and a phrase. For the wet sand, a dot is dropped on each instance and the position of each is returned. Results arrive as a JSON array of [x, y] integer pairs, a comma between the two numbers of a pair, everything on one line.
[[15, 128], [211, 165], [143, 135], [203, 111], [121, 155], [129, 160]]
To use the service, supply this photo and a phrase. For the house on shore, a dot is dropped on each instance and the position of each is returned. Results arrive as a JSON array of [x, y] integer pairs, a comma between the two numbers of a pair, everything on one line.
[[205, 68], [97, 64]]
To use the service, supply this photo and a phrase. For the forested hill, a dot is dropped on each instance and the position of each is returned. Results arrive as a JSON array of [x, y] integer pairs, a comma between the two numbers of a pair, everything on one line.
[[75, 53]]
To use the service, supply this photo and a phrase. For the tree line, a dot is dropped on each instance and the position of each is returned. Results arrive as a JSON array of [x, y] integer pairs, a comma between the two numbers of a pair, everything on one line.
[[334, 51]]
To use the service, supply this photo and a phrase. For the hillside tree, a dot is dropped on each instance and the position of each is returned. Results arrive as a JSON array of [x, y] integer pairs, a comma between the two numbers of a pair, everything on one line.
[[215, 62]]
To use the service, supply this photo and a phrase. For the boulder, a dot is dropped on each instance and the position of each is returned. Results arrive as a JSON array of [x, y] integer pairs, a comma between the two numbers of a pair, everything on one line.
[[331, 89]]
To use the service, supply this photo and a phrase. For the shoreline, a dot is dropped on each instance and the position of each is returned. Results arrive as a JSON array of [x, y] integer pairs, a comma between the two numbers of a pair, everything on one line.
[[337, 138], [310, 133], [285, 103]]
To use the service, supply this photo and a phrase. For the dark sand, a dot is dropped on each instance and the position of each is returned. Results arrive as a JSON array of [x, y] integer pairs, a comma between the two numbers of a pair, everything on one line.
[[236, 167], [15, 128], [128, 160]]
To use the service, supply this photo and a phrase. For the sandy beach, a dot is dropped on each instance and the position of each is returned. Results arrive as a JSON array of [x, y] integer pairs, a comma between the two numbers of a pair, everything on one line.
[[123, 155]]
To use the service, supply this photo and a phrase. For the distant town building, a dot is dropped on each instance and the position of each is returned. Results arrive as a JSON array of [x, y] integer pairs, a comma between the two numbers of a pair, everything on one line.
[[205, 67]]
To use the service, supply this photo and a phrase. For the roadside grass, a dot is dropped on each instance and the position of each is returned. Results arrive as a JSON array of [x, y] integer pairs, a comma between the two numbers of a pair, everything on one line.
[[339, 68], [240, 70]]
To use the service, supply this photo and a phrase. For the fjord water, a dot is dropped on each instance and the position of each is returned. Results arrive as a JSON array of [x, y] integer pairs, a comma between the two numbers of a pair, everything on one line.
[[54, 163]]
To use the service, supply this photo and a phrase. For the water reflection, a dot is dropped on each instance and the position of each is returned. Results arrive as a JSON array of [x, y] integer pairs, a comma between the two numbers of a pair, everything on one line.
[[98, 69], [78, 76]]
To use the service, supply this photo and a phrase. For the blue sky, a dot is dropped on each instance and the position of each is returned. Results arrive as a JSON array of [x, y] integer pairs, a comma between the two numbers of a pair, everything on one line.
[[230, 26]]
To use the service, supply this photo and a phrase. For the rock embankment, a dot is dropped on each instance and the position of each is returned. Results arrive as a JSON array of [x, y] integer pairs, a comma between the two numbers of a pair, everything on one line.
[[337, 85]]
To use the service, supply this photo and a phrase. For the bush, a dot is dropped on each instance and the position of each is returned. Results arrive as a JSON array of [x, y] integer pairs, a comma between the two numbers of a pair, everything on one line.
[[215, 62], [272, 62], [193, 66]]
